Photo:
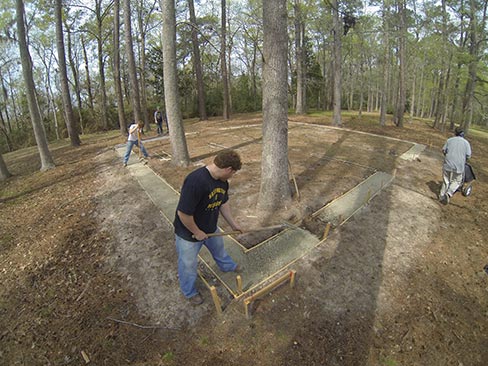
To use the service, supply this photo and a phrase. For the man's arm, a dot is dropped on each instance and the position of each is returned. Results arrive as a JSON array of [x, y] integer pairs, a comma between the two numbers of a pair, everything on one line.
[[227, 214], [190, 224], [444, 148]]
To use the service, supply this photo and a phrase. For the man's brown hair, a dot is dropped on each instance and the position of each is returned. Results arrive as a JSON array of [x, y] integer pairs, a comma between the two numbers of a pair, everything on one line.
[[228, 158]]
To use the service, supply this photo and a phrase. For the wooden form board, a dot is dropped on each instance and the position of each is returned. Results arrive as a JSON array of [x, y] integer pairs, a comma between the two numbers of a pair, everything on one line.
[[289, 276]]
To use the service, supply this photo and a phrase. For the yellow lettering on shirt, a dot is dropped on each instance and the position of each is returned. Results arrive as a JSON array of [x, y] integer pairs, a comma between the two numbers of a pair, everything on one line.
[[216, 191], [214, 205]]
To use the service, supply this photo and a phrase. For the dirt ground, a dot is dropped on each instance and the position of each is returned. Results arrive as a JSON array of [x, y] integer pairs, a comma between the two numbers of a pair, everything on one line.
[[88, 267]]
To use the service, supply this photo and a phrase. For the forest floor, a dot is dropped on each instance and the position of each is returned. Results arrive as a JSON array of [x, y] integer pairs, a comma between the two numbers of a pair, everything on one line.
[[88, 266]]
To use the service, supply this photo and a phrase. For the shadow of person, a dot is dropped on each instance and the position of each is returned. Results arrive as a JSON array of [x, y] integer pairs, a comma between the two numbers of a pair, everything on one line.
[[434, 186]]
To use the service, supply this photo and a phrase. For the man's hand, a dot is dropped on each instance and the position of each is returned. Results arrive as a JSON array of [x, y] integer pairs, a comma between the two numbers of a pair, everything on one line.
[[237, 227], [190, 224], [200, 235]]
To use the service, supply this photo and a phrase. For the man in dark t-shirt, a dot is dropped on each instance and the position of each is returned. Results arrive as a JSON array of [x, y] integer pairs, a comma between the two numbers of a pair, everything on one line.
[[204, 196]]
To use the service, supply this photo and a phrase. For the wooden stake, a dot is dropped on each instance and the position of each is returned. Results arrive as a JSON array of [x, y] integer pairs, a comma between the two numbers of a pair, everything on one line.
[[368, 196], [292, 276], [246, 308], [294, 180], [216, 300], [85, 357], [239, 284], [326, 231], [139, 140]]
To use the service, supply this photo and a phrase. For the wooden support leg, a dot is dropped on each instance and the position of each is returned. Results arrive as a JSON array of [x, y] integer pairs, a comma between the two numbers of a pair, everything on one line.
[[239, 284], [294, 180], [293, 274], [368, 197], [246, 309], [326, 231], [216, 299]]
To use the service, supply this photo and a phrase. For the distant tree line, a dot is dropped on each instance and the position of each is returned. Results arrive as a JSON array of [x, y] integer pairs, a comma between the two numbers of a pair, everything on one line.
[[98, 64]]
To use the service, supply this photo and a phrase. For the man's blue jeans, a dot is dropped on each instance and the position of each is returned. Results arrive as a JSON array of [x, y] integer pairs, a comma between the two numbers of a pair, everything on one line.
[[160, 127], [130, 144], [188, 261]]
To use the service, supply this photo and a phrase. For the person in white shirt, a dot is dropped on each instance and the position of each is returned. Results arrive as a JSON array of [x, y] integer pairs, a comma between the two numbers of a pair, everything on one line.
[[134, 138], [456, 151]]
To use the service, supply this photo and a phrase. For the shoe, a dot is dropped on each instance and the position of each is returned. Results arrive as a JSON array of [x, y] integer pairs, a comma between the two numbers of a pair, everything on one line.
[[196, 300], [238, 269], [445, 199], [125, 165]]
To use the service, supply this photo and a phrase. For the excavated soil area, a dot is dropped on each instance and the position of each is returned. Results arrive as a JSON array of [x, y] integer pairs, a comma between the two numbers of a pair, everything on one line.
[[88, 265]]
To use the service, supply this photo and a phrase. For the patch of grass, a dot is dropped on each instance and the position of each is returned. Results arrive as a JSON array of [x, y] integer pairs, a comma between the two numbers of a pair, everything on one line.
[[389, 362], [478, 132], [6, 242], [204, 341], [168, 356]]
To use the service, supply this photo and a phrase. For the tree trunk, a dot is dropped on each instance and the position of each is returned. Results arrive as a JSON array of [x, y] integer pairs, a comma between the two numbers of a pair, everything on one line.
[[4, 173], [474, 52], [337, 65], [421, 94], [117, 82], [88, 79], [401, 101], [223, 62], [142, 66], [50, 96], [171, 97], [254, 86], [412, 99], [25, 58], [361, 82], [101, 66], [386, 64], [76, 79], [462, 38], [6, 98], [455, 93], [445, 55], [63, 77], [301, 107], [197, 64], [136, 100], [275, 190]]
